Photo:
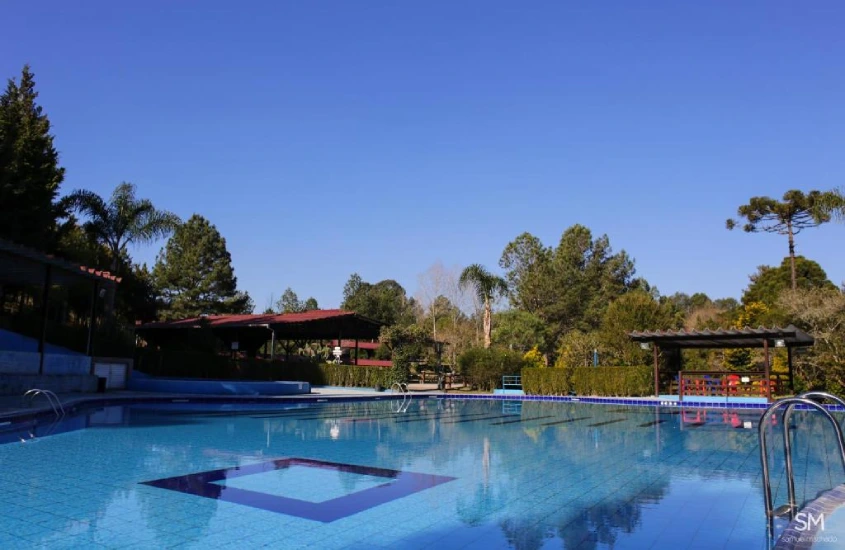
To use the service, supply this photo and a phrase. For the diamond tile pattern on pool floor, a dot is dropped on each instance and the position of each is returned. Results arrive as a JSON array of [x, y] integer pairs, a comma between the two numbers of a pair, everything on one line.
[[306, 483], [224, 485]]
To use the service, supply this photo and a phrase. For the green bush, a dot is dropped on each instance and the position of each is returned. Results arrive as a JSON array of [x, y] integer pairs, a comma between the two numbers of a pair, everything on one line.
[[602, 381], [484, 368]]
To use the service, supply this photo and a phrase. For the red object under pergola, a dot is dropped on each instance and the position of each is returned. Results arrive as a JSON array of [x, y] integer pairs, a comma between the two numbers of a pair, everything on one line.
[[253, 331], [788, 337]]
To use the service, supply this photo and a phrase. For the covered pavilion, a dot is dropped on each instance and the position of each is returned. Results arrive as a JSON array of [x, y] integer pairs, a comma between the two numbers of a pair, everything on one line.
[[25, 267], [250, 332], [788, 337]]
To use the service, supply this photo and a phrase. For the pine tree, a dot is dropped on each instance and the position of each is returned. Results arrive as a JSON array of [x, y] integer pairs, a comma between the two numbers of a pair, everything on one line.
[[30, 174], [194, 274]]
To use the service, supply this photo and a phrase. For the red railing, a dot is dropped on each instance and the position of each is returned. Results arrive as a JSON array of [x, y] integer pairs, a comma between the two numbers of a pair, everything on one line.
[[729, 384]]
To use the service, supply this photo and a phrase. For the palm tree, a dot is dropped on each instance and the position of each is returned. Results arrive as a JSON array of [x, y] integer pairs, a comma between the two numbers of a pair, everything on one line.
[[121, 220], [488, 287]]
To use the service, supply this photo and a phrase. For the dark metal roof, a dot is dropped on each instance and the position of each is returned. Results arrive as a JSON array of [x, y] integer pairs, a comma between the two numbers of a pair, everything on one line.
[[724, 338], [22, 264], [317, 324]]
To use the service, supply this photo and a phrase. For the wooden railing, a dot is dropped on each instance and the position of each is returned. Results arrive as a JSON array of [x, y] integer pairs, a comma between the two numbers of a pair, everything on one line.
[[728, 384]]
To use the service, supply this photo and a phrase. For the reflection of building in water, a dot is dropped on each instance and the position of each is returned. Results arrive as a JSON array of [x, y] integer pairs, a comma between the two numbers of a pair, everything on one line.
[[485, 461]]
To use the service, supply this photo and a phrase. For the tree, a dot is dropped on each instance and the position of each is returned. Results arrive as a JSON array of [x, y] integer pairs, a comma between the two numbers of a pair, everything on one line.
[[635, 310], [488, 287], [770, 282], [831, 203], [310, 304], [385, 301], [122, 220], [796, 212], [30, 174], [194, 275], [820, 311], [289, 302], [568, 287], [519, 330]]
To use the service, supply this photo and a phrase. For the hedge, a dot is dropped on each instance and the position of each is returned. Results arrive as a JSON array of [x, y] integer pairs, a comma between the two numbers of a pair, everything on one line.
[[484, 368], [603, 381], [210, 366]]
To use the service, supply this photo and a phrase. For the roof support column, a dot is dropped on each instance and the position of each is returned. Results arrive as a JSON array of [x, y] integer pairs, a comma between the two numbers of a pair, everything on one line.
[[789, 363], [656, 370], [356, 350], [92, 317], [768, 380], [45, 299], [272, 344]]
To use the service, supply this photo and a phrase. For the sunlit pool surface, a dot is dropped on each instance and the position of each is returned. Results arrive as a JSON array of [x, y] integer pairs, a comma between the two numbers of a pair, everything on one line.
[[442, 474]]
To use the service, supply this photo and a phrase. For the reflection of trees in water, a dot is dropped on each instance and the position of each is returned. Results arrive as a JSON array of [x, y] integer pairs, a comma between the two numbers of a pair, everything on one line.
[[523, 535]]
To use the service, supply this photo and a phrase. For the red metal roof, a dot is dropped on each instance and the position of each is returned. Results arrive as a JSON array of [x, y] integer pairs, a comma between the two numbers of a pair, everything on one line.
[[351, 344], [222, 321]]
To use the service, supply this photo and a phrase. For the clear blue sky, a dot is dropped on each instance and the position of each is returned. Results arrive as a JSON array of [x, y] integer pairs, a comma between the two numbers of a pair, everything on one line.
[[325, 138]]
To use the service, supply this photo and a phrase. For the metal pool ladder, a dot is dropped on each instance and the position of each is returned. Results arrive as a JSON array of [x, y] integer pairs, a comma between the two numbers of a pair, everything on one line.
[[406, 397], [55, 403], [789, 404]]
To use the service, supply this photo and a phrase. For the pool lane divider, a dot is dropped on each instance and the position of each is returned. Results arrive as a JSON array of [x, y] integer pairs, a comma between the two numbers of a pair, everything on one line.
[[652, 423], [606, 422], [568, 420], [475, 419], [521, 420]]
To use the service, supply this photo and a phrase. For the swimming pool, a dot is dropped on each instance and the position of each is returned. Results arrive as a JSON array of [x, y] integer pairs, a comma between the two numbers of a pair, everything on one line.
[[445, 473]]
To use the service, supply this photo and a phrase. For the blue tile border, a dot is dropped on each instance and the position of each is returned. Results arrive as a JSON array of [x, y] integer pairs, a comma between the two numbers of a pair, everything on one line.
[[398, 484]]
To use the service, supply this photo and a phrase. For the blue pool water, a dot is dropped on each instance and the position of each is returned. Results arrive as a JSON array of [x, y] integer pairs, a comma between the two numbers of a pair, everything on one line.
[[443, 474]]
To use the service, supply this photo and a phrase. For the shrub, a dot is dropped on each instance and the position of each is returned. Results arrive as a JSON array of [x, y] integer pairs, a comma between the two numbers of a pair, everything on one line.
[[484, 368], [603, 381]]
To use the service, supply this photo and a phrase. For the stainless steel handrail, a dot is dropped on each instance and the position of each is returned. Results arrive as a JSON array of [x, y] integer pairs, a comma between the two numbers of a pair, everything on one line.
[[52, 398], [764, 456], [403, 389], [787, 441]]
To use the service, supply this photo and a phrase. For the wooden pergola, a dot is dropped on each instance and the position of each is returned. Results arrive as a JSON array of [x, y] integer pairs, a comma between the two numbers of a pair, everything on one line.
[[788, 337], [250, 332]]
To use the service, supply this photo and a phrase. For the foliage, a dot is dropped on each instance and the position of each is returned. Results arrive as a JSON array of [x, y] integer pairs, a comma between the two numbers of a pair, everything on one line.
[[568, 287], [635, 310], [796, 212], [534, 358], [310, 304], [769, 282], [385, 301], [407, 344], [30, 174], [488, 288], [484, 367], [519, 330], [122, 220], [831, 203], [750, 315], [601, 381], [194, 275], [289, 302], [576, 349], [821, 312]]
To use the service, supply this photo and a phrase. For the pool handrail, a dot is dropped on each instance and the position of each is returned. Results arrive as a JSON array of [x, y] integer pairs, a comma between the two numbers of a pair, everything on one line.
[[56, 405], [764, 456]]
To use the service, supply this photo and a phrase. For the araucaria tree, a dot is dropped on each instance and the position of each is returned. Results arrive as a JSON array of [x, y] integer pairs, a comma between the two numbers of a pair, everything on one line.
[[194, 275], [488, 287], [796, 212], [30, 174]]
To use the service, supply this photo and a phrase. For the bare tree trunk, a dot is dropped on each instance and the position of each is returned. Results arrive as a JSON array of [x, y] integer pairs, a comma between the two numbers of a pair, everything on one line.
[[488, 324], [792, 254]]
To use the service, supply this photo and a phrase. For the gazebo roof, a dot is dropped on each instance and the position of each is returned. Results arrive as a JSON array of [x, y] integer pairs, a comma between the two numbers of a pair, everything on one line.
[[724, 338]]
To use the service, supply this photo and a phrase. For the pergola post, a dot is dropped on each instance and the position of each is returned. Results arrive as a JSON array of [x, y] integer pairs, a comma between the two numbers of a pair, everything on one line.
[[45, 298], [656, 371], [766, 370], [356, 350], [789, 364], [272, 344], [92, 314]]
